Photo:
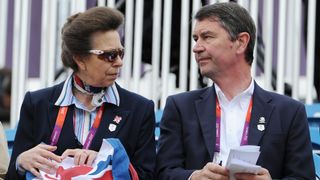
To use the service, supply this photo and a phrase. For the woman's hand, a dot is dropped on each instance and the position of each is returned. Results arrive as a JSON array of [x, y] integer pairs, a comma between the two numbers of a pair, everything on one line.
[[81, 156], [39, 158]]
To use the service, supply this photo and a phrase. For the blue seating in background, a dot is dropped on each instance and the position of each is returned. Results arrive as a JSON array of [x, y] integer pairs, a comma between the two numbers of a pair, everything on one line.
[[313, 114], [158, 115], [316, 159], [313, 110], [315, 136]]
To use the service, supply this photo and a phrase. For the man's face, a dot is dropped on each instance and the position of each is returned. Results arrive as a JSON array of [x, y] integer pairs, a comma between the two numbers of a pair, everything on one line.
[[214, 51]]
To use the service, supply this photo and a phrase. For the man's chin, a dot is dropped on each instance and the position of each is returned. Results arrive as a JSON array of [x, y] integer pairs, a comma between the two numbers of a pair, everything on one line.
[[204, 73]]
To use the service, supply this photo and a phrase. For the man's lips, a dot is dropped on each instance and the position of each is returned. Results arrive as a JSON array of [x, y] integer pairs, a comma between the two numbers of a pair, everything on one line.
[[203, 60]]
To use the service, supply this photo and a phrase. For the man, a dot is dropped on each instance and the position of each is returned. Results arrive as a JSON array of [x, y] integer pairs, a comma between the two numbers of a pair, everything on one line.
[[198, 128]]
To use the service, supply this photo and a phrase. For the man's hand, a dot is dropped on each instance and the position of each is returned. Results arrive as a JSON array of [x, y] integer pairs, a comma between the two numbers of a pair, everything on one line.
[[39, 158], [211, 171], [263, 174]]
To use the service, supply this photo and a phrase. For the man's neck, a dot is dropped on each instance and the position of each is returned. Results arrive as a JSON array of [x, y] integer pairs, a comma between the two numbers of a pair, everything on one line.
[[233, 85]]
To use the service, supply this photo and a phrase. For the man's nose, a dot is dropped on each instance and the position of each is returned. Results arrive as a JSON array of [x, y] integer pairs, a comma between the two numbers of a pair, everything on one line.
[[197, 48]]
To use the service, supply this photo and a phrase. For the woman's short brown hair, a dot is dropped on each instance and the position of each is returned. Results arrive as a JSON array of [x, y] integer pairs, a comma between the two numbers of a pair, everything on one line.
[[76, 32]]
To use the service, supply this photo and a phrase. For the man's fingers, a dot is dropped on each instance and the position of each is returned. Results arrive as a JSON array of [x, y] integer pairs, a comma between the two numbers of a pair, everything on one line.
[[263, 171], [217, 169], [211, 171], [262, 174], [243, 176]]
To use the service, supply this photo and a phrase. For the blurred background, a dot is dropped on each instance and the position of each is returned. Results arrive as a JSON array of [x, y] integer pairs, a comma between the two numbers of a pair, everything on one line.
[[157, 36]]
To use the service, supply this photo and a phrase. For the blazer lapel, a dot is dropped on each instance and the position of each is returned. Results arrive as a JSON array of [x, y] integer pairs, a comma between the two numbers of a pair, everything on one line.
[[53, 114], [113, 119], [205, 108], [67, 136], [260, 116], [53, 110]]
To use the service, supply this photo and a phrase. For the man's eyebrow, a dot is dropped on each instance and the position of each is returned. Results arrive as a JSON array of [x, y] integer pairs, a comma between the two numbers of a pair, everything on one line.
[[206, 33], [203, 34]]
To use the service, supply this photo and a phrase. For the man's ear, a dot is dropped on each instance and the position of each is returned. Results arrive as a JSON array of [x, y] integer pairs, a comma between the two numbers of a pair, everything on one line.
[[79, 61], [243, 39]]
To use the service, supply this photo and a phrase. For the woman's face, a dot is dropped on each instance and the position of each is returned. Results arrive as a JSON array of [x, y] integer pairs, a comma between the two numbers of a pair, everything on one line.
[[96, 70]]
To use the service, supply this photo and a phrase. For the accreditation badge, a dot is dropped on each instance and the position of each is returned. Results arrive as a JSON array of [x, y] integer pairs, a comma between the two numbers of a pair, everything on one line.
[[112, 127], [260, 127]]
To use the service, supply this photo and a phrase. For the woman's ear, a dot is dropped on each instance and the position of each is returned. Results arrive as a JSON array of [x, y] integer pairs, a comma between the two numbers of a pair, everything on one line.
[[79, 61], [243, 39]]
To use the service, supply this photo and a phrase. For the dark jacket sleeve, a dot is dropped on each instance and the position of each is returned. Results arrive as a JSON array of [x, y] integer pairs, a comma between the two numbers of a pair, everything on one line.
[[286, 149], [298, 155], [24, 138], [171, 155], [143, 159]]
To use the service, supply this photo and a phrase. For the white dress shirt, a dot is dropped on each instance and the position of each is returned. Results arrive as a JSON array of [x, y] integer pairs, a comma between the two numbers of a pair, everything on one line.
[[233, 115]]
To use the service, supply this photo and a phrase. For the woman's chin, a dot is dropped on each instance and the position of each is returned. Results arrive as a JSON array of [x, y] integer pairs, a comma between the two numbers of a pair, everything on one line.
[[109, 83]]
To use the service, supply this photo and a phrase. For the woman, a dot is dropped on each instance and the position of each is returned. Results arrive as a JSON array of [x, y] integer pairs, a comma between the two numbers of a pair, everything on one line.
[[95, 105], [4, 156]]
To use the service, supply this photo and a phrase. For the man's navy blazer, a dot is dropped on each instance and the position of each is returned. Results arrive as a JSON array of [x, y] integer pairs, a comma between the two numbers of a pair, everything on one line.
[[188, 138], [135, 130]]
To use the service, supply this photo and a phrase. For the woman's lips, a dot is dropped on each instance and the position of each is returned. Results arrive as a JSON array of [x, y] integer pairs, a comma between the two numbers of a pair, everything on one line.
[[113, 76]]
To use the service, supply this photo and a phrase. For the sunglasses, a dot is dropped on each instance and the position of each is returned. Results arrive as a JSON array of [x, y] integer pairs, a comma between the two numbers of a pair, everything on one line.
[[110, 55]]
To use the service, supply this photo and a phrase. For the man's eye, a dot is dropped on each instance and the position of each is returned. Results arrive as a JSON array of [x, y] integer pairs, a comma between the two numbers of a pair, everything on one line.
[[195, 38]]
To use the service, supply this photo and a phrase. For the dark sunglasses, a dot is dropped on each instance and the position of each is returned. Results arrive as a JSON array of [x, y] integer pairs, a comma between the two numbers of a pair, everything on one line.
[[110, 55]]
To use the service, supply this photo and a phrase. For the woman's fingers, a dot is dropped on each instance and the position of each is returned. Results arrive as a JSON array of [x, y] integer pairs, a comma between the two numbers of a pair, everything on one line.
[[69, 152], [48, 157], [91, 158], [45, 168], [47, 147], [38, 158], [48, 163], [81, 156], [35, 173]]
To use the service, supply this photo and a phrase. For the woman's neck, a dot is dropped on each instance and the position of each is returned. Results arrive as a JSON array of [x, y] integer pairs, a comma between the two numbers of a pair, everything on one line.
[[84, 98]]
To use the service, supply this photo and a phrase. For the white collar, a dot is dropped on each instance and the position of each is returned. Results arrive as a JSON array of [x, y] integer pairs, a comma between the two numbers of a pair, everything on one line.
[[246, 93]]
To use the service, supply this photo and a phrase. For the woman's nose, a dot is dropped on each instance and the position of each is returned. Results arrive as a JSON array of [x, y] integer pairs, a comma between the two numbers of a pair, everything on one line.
[[118, 62]]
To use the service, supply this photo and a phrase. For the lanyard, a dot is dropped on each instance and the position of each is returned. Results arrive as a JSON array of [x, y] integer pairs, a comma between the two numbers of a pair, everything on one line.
[[60, 120], [244, 139]]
